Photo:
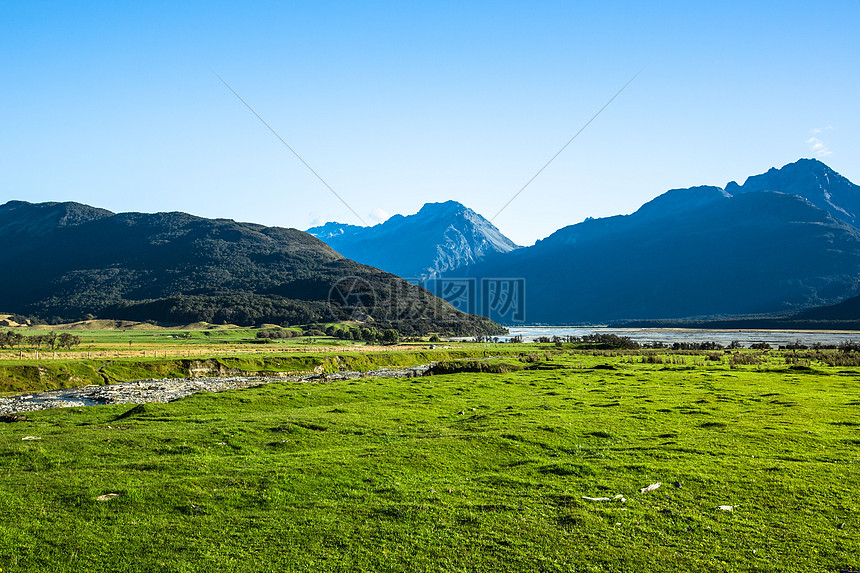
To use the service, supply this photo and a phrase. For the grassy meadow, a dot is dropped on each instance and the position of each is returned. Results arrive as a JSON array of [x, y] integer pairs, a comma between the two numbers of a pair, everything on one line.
[[467, 471], [142, 351], [141, 337]]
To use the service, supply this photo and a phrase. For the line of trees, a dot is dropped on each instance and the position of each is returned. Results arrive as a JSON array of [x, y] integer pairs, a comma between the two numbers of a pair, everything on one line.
[[276, 334], [592, 341], [366, 333], [51, 340]]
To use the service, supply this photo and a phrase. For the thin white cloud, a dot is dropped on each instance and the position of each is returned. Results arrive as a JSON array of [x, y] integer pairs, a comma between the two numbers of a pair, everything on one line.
[[818, 147], [379, 215], [316, 218]]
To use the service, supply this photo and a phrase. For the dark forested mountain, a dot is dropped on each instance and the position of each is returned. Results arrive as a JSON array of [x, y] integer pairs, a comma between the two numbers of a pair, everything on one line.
[[68, 260], [439, 238], [762, 248]]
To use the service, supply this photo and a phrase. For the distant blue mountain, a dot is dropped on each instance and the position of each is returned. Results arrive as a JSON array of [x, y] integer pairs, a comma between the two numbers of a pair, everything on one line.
[[782, 242], [439, 238]]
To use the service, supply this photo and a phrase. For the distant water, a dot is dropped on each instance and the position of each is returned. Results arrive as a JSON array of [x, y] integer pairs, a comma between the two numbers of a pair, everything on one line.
[[671, 335]]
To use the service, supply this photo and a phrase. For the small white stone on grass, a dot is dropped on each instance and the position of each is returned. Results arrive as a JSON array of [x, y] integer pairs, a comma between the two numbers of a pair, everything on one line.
[[726, 507], [617, 497], [108, 496], [651, 487], [31, 438]]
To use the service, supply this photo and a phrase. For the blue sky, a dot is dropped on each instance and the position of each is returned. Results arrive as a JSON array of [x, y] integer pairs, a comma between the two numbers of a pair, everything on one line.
[[397, 104]]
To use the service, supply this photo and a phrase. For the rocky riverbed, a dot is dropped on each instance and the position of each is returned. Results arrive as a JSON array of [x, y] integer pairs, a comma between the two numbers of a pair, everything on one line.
[[169, 389]]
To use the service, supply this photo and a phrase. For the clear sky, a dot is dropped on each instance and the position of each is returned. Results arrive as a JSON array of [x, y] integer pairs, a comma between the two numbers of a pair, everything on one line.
[[396, 104]]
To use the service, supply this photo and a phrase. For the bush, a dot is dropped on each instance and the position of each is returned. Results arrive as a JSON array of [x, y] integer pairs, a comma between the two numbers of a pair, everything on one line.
[[608, 341], [390, 336], [849, 346], [744, 359]]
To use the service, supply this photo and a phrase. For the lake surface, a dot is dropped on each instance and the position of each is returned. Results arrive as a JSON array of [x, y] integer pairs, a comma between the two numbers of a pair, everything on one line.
[[671, 335]]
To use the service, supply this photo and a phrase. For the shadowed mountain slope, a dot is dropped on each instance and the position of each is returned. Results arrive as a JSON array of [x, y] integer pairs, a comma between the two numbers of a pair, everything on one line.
[[848, 309], [697, 252]]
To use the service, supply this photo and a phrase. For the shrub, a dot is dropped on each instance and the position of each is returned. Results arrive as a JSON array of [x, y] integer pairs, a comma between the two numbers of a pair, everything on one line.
[[744, 359]]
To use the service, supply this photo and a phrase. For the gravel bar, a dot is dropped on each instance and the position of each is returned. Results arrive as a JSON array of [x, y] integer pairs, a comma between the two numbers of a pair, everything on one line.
[[169, 389]]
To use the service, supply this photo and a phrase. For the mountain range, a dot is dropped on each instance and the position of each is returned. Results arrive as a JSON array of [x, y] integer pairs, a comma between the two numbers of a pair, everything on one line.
[[68, 260], [784, 241]]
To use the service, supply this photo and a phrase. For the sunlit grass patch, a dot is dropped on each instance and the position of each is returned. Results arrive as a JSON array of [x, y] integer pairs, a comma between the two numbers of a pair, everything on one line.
[[475, 471]]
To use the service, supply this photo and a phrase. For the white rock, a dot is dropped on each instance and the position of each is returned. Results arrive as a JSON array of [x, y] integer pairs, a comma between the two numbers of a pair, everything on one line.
[[651, 487]]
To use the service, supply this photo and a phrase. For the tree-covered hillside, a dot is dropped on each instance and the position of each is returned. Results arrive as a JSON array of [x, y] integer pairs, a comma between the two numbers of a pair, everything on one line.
[[67, 260]]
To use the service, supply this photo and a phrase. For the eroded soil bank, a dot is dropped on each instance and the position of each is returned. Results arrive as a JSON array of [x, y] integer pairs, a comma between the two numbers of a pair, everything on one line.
[[18, 377]]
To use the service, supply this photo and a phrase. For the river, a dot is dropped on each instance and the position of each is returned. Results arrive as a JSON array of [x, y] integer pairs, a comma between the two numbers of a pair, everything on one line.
[[669, 336]]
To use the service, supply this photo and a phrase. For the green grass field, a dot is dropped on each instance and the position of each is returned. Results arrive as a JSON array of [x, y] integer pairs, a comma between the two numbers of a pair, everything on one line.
[[456, 472], [151, 338]]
